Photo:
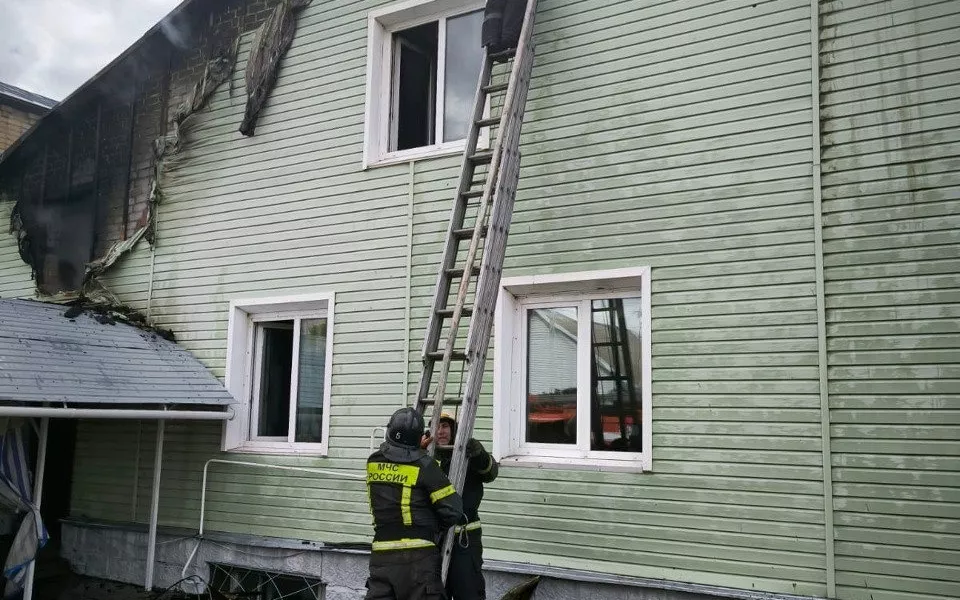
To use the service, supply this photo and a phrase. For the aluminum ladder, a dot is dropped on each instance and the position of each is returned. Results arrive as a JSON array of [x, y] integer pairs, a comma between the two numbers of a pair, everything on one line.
[[485, 195]]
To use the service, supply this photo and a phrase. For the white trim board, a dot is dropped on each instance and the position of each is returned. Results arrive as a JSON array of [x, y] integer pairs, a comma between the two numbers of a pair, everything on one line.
[[243, 316], [518, 293]]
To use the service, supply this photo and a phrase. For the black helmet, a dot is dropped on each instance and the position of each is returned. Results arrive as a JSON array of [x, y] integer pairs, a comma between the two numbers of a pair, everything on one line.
[[405, 428]]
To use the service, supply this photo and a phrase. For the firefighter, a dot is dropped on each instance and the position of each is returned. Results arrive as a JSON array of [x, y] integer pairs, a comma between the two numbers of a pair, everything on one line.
[[413, 503], [465, 579]]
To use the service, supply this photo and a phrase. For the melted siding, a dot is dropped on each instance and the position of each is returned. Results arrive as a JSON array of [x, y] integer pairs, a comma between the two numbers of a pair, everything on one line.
[[891, 108], [16, 280]]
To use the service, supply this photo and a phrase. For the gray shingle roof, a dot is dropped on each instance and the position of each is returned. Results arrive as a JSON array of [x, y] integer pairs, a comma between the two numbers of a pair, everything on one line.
[[47, 357], [25, 96]]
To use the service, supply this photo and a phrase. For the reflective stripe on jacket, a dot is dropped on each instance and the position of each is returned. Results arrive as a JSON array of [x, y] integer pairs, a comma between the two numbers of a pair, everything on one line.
[[410, 498]]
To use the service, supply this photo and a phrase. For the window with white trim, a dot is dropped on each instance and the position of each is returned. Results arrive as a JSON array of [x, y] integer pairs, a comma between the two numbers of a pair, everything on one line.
[[572, 370], [278, 368], [423, 65]]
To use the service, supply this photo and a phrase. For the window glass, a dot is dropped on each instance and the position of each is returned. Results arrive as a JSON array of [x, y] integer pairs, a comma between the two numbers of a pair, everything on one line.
[[552, 375], [312, 367], [276, 362], [615, 406], [463, 58], [414, 104]]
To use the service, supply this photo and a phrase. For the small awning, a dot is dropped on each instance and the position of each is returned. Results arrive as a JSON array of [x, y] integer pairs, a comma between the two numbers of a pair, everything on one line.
[[51, 355]]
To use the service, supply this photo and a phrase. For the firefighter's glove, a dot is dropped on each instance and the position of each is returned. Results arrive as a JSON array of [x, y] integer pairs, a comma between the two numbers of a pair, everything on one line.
[[475, 449]]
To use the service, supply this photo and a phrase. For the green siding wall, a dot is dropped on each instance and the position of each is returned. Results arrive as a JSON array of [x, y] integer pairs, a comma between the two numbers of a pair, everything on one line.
[[671, 134], [891, 189], [698, 164], [15, 277]]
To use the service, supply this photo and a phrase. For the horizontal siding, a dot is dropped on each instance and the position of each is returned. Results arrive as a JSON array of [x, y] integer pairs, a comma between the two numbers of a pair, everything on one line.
[[16, 280], [891, 109], [698, 165], [669, 134], [288, 211]]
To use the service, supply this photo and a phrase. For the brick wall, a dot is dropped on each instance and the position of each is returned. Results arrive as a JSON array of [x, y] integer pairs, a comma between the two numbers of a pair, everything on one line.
[[13, 122]]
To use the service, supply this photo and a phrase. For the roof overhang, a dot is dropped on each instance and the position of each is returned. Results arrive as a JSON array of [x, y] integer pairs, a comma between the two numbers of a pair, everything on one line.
[[56, 363]]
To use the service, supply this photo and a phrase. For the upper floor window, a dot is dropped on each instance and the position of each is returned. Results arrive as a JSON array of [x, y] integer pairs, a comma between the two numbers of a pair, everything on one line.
[[278, 368], [423, 65]]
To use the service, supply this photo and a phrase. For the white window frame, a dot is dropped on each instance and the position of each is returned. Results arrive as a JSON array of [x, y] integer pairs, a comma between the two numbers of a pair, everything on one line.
[[242, 370], [382, 24], [517, 296]]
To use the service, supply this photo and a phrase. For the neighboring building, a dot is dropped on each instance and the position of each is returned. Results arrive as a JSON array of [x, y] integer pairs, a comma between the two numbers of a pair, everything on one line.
[[773, 186], [19, 110]]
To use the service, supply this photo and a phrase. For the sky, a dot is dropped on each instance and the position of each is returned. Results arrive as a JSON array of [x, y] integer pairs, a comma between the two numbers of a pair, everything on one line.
[[51, 47]]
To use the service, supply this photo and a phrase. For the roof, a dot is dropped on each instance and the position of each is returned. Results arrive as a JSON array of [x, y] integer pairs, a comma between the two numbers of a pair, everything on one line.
[[24, 97], [45, 356]]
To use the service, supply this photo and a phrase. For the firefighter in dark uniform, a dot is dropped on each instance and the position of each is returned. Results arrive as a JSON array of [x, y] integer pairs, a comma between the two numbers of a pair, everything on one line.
[[413, 504], [465, 578]]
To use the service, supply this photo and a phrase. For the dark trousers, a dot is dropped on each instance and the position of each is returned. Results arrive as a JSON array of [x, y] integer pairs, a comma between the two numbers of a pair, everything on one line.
[[405, 575], [465, 578]]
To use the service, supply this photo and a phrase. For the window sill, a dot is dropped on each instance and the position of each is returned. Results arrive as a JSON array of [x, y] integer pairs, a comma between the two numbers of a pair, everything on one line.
[[302, 449], [574, 464], [425, 153]]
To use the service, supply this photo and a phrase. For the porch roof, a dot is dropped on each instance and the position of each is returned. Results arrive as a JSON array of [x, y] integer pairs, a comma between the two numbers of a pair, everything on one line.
[[51, 354]]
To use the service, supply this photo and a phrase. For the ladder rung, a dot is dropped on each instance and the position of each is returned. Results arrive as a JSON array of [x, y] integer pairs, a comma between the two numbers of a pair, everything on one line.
[[493, 88], [503, 56], [458, 272], [488, 122], [474, 193], [467, 233], [446, 313], [482, 158], [447, 401], [455, 355]]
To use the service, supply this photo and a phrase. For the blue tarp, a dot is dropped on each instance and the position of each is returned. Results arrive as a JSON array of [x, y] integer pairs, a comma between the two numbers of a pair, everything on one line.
[[16, 493]]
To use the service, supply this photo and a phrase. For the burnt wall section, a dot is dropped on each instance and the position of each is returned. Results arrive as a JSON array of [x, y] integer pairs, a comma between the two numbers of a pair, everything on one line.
[[82, 181]]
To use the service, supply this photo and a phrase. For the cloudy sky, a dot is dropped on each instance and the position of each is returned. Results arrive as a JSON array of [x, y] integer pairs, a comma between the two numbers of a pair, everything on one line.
[[50, 47]]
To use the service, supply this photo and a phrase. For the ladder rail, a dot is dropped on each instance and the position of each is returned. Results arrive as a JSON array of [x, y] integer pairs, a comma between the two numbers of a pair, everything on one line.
[[457, 214], [504, 195]]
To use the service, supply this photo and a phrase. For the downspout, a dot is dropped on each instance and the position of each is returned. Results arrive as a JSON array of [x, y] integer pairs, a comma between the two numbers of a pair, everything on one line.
[[155, 206], [154, 507], [409, 290], [829, 543]]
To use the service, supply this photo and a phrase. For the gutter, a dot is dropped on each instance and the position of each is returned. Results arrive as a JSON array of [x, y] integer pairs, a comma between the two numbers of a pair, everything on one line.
[[830, 565], [116, 413]]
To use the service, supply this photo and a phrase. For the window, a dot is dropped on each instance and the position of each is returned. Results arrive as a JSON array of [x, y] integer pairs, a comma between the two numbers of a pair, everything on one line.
[[278, 368], [424, 60], [238, 582], [572, 370]]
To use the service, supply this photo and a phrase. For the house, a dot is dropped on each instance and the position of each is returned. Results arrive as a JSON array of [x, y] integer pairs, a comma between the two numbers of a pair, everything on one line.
[[771, 184], [19, 109]]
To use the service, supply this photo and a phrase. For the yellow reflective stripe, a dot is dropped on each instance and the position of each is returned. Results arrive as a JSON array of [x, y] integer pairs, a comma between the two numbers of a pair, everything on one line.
[[402, 544], [392, 473], [442, 493], [468, 527], [405, 506]]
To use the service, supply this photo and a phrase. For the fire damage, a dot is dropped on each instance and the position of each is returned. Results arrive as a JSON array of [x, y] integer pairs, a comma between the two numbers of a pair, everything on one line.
[[86, 180]]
